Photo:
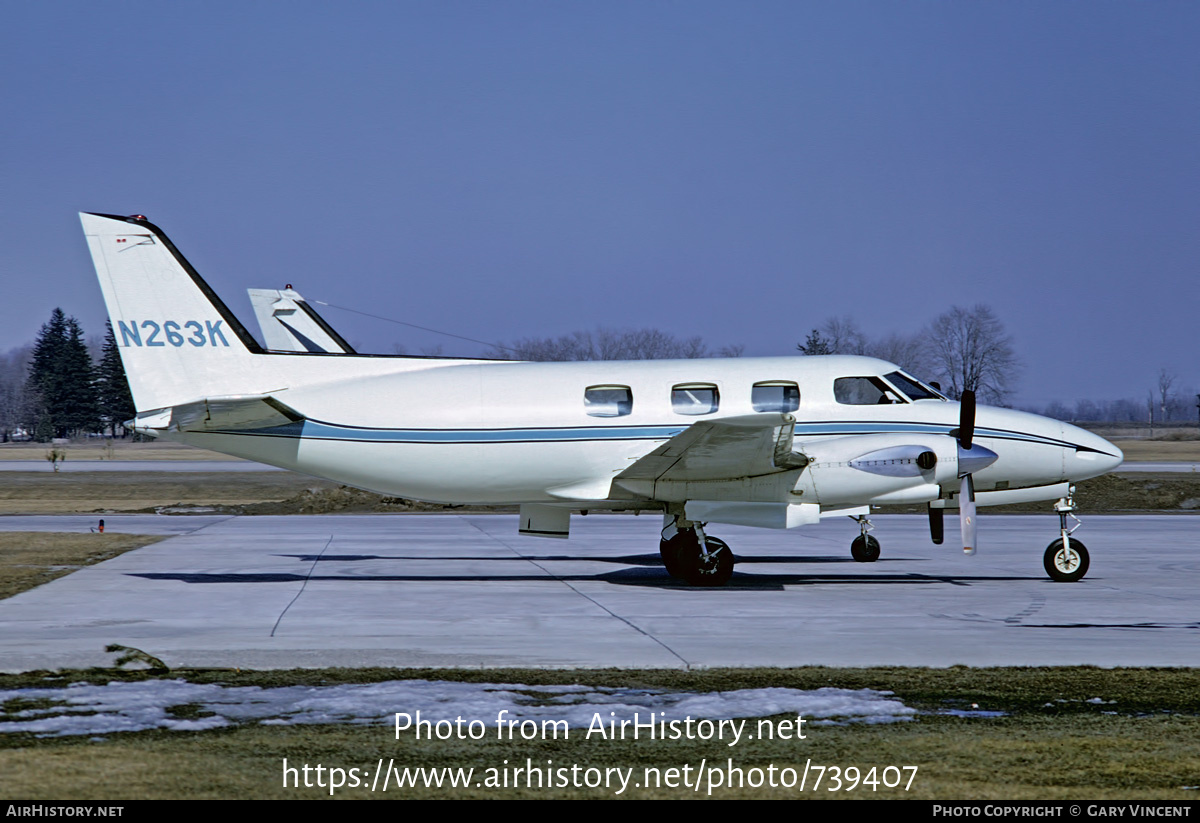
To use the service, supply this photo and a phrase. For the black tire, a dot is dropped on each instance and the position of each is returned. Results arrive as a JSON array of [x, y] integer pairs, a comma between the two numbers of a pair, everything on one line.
[[711, 570], [1063, 568], [865, 549], [671, 550]]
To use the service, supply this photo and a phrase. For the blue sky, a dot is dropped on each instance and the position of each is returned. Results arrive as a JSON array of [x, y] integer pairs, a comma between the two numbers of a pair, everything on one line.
[[738, 170]]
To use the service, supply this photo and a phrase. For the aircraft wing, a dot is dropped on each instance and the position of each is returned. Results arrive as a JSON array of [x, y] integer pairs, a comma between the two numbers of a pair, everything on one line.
[[734, 447], [224, 413]]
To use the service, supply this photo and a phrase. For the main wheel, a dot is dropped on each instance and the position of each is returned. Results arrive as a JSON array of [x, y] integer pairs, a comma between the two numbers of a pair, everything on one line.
[[709, 568], [865, 549], [671, 552], [1066, 565]]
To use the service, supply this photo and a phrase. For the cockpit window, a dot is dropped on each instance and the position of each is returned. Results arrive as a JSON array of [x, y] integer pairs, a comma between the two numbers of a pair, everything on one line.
[[915, 389], [608, 401], [864, 391], [695, 398], [775, 397]]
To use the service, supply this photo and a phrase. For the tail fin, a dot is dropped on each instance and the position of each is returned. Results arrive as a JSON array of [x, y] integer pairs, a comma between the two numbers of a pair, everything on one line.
[[289, 323], [178, 341]]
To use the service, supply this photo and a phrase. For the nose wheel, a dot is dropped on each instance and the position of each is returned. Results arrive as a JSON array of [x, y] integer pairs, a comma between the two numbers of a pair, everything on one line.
[[1066, 563], [865, 548], [1066, 559]]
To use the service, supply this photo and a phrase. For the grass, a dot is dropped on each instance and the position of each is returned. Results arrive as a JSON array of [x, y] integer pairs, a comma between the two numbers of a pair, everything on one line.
[[97, 492], [100, 449], [1143, 742], [29, 559], [1156, 450]]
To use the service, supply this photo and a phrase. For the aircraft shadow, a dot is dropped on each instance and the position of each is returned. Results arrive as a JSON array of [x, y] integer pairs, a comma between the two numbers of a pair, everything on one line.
[[640, 577], [650, 560]]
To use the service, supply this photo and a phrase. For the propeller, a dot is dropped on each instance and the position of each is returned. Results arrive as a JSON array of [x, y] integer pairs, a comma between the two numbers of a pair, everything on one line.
[[937, 529], [971, 459], [966, 494]]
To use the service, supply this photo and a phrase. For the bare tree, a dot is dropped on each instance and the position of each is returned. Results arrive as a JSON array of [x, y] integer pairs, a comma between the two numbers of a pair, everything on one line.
[[608, 344], [843, 336], [969, 349], [15, 402], [1165, 381], [909, 352]]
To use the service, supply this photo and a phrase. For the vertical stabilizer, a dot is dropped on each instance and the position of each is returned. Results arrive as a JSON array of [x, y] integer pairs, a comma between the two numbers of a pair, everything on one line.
[[178, 341]]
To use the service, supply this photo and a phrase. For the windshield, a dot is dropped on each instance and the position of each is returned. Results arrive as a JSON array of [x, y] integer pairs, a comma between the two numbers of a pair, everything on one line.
[[915, 389]]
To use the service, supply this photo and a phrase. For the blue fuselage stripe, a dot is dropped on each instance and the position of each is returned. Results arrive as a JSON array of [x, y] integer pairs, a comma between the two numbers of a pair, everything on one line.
[[316, 430]]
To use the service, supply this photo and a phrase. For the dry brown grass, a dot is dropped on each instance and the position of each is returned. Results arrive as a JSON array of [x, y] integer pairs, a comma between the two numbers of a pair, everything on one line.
[[29, 559], [96, 449], [1156, 450], [97, 492]]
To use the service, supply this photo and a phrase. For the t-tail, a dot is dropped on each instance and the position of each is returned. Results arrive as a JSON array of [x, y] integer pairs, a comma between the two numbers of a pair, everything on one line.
[[179, 342]]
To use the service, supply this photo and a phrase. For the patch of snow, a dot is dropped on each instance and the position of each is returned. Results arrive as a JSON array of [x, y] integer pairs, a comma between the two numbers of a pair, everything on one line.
[[86, 709]]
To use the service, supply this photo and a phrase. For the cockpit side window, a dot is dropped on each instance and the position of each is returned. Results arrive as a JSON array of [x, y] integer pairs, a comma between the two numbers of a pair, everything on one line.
[[776, 396], [608, 401], [864, 391], [915, 389], [695, 398]]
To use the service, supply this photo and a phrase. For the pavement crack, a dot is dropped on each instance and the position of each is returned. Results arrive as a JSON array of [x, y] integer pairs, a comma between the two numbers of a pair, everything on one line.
[[311, 568], [687, 666]]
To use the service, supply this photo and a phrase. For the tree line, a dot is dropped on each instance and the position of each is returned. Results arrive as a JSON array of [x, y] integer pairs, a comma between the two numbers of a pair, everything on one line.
[[61, 387], [962, 348], [58, 388]]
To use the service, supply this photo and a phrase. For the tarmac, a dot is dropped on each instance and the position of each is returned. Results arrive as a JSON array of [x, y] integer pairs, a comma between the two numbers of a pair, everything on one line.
[[450, 590]]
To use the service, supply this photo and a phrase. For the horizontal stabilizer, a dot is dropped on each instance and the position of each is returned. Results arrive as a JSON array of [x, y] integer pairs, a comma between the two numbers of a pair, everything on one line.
[[289, 323], [219, 413]]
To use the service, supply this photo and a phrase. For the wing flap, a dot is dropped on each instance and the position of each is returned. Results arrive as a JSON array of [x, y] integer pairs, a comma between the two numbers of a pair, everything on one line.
[[733, 447]]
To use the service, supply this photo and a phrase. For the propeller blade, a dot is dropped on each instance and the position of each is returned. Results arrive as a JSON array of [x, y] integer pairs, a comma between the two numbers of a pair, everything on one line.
[[966, 514], [936, 525], [966, 419]]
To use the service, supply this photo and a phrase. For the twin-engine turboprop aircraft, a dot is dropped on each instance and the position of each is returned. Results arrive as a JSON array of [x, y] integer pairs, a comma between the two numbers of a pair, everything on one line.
[[773, 442]]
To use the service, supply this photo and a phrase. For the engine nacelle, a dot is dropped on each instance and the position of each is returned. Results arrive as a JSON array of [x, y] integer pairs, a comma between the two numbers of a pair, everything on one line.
[[884, 468]]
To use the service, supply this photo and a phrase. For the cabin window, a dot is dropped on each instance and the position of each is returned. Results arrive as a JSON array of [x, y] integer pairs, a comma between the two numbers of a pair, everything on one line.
[[864, 391], [608, 401], [775, 397], [695, 398]]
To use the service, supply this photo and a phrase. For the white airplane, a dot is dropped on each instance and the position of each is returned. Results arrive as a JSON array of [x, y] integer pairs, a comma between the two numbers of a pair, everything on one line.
[[774, 442]]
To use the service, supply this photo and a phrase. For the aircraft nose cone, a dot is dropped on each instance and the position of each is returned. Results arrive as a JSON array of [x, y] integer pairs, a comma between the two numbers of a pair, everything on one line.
[[1092, 456]]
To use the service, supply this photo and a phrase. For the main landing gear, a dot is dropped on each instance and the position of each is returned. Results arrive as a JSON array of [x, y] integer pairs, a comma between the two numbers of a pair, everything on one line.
[[865, 548], [1066, 560], [689, 554]]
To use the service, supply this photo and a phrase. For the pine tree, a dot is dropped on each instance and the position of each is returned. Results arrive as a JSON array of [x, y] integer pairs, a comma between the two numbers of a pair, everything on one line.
[[112, 387], [815, 344], [62, 380]]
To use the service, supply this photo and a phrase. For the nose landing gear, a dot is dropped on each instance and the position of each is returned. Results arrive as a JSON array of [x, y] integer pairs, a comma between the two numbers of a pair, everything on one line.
[[865, 548], [1066, 560]]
